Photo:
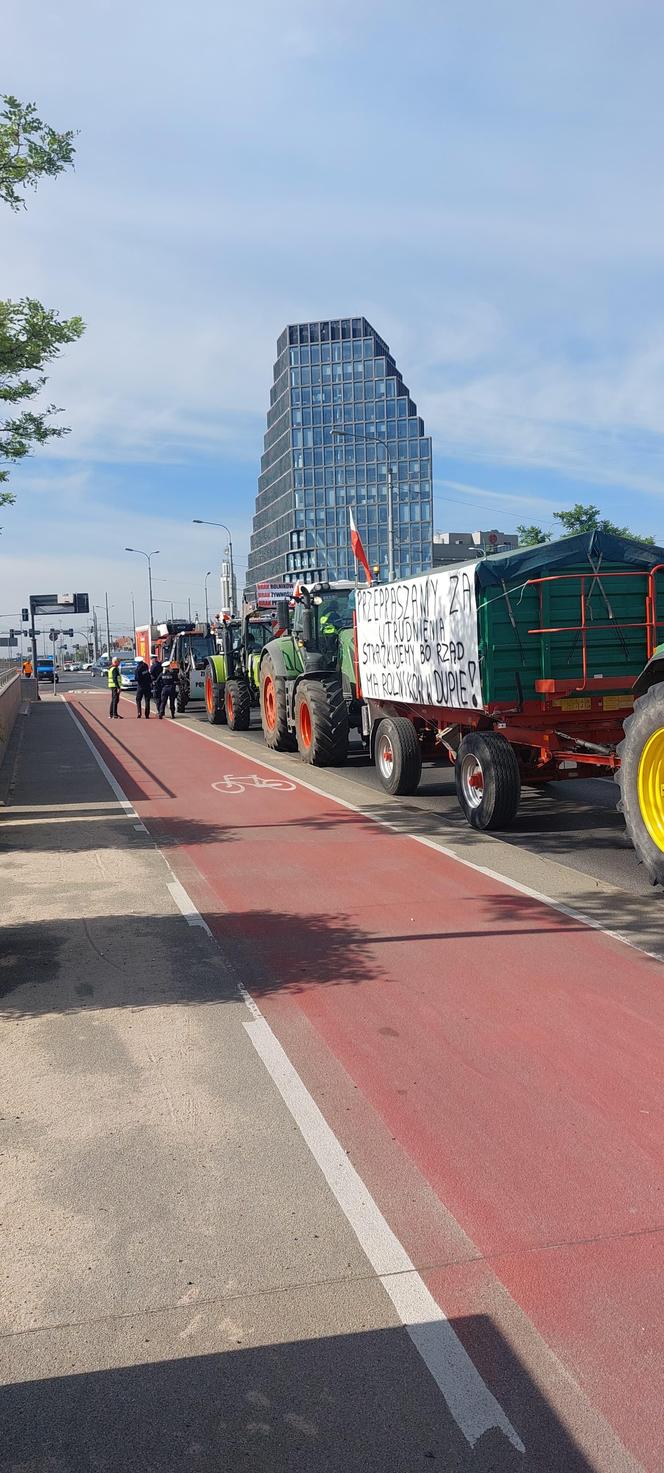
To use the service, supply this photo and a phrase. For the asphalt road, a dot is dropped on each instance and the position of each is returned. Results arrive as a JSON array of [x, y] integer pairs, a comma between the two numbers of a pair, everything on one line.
[[574, 823], [426, 1006]]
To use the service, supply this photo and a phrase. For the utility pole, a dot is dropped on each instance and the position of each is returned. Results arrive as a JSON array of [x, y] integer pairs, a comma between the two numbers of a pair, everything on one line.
[[95, 634], [133, 618], [108, 629], [189, 608]]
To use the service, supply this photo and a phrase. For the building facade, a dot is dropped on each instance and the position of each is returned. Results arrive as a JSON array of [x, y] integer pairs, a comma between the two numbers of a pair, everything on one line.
[[339, 414], [461, 547]]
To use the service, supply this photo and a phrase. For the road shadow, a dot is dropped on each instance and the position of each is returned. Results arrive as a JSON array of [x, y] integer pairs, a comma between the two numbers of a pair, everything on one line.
[[346, 1403]]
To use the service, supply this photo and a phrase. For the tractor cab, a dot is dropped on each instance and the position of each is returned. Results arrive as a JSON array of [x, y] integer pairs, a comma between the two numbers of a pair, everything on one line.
[[322, 612]]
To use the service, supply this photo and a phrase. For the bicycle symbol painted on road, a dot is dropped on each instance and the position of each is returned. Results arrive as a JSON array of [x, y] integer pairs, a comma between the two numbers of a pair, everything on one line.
[[231, 784]]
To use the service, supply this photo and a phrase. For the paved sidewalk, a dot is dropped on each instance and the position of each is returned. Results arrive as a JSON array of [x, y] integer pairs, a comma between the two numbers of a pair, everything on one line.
[[179, 1288]]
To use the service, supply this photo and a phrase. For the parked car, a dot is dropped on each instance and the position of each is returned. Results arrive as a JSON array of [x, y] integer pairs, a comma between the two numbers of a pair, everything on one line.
[[128, 674]]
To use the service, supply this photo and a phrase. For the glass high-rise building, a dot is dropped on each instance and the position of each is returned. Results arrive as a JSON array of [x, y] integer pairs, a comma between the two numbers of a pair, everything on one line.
[[339, 413]]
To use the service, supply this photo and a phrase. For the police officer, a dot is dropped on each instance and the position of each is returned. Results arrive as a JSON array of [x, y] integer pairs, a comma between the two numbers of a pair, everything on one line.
[[169, 685], [115, 686], [143, 689], [156, 676]]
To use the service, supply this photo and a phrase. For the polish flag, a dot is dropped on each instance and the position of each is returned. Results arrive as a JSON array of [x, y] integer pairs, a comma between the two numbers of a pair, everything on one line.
[[356, 543]]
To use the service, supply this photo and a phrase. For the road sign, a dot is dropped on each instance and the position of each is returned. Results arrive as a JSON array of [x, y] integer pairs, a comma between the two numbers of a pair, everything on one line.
[[60, 603], [7, 640]]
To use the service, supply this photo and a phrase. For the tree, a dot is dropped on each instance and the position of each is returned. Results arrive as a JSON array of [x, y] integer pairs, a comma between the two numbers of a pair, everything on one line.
[[580, 518], [532, 536], [29, 150], [31, 335]]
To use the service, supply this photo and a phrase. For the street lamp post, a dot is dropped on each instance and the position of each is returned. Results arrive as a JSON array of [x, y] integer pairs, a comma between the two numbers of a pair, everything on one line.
[[207, 606], [378, 439], [149, 556], [200, 522]]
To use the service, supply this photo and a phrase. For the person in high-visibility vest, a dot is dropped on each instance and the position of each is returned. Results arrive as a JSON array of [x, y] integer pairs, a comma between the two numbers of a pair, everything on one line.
[[115, 686], [27, 667]]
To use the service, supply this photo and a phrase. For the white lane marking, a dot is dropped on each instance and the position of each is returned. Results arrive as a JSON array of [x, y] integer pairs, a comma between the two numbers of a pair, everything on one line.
[[122, 800], [470, 1402], [186, 905], [231, 784], [473, 1406], [405, 833]]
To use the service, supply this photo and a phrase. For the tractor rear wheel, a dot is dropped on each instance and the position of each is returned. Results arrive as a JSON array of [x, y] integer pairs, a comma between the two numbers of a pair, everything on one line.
[[641, 780], [274, 709], [237, 700], [182, 696], [214, 701], [488, 781], [321, 722], [398, 755]]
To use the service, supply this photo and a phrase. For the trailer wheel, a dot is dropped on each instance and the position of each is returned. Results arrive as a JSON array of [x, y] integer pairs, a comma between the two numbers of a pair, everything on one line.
[[237, 700], [398, 755], [321, 722], [488, 782], [214, 701], [641, 780], [274, 709]]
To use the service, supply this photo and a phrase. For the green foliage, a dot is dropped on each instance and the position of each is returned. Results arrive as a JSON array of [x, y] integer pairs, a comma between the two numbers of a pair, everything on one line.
[[580, 518], [31, 335], [531, 536], [29, 150]]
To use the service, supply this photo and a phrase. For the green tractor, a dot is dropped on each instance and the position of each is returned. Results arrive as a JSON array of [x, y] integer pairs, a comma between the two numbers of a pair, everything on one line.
[[231, 675], [641, 772], [308, 685]]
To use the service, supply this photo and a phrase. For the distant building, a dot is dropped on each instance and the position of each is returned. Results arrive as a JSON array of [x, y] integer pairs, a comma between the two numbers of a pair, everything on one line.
[[461, 547], [228, 588], [331, 377]]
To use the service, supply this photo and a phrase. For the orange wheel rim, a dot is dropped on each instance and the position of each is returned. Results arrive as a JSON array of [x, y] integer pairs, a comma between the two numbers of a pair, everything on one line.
[[208, 694], [305, 725], [269, 703], [229, 704]]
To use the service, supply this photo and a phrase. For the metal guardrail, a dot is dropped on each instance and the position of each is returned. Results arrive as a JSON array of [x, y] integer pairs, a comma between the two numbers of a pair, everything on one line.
[[8, 668]]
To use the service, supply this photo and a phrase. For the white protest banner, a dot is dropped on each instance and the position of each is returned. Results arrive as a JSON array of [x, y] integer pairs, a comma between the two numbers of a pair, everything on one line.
[[417, 640], [268, 594]]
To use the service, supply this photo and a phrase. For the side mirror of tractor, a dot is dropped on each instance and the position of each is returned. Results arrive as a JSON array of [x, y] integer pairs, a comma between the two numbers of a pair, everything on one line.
[[307, 627], [282, 613]]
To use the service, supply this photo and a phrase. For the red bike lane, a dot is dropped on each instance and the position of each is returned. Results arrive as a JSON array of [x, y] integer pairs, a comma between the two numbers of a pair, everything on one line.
[[512, 1053]]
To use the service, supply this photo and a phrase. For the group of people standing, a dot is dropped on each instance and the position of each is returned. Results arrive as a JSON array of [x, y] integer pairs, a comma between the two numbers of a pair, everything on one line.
[[158, 683]]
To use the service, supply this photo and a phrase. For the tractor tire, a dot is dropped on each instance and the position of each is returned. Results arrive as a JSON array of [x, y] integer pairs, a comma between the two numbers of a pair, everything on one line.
[[182, 698], [237, 700], [398, 755], [214, 701], [641, 780], [488, 782], [274, 709], [321, 722]]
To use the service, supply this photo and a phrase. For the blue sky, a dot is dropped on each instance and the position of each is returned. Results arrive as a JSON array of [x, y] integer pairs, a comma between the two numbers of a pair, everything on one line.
[[482, 182]]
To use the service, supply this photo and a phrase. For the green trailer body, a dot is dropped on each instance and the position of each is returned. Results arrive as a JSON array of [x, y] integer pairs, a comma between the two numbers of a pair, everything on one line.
[[612, 575]]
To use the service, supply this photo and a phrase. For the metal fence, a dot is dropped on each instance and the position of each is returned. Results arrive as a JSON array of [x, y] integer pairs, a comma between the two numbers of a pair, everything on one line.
[[8, 668]]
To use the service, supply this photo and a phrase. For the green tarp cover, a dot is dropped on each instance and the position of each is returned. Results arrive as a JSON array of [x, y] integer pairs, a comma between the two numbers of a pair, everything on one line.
[[569, 552]]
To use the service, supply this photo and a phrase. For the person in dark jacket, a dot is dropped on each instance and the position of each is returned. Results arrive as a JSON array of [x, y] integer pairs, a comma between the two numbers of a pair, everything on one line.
[[156, 675], [143, 689], [169, 686]]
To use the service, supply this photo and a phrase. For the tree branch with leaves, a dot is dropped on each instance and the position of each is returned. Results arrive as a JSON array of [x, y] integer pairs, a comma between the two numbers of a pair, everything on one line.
[[31, 335]]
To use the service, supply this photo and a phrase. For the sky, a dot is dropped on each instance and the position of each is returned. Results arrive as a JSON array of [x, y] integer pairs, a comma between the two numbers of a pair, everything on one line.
[[482, 182]]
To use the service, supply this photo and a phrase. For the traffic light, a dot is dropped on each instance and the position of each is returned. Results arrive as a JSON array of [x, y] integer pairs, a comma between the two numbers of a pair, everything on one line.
[[25, 615]]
